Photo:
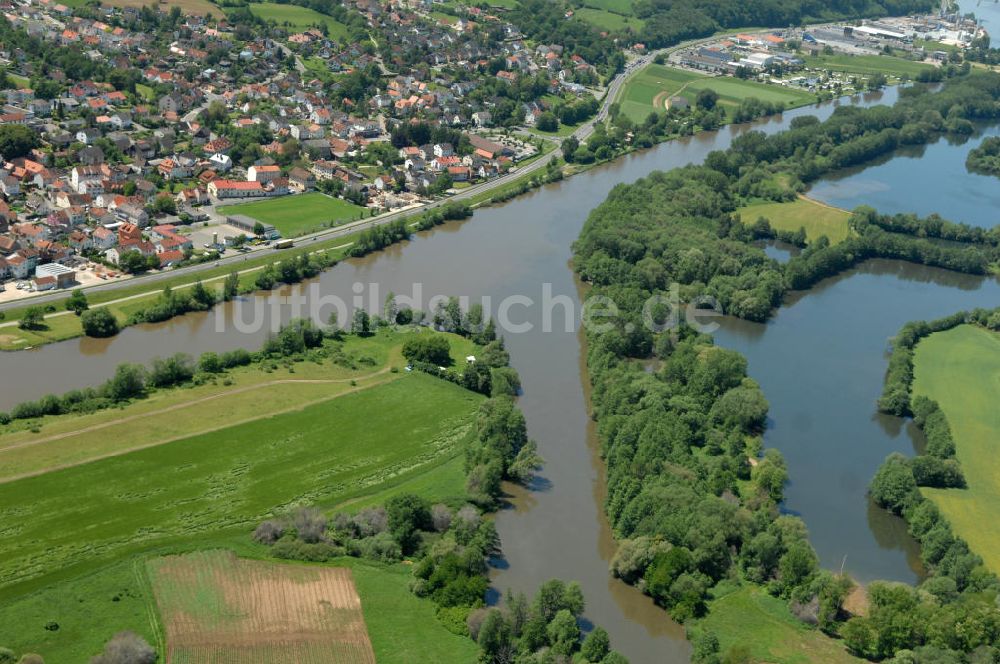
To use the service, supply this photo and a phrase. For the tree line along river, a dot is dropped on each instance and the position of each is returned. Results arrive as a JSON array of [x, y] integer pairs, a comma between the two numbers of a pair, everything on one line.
[[820, 361]]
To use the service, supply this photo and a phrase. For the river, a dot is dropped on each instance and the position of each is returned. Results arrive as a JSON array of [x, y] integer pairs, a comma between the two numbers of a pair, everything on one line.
[[820, 362]]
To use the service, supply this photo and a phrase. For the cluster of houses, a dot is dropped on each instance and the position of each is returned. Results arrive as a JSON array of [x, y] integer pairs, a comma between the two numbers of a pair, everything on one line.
[[106, 159]]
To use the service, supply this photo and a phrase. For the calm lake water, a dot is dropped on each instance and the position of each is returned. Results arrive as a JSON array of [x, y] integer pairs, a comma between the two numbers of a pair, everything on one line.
[[922, 180], [820, 361]]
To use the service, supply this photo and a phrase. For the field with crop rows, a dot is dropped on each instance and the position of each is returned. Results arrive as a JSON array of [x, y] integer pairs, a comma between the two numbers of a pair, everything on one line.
[[219, 609]]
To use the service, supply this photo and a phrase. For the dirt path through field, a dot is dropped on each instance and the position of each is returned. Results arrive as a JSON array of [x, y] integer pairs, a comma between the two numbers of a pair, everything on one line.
[[663, 98]]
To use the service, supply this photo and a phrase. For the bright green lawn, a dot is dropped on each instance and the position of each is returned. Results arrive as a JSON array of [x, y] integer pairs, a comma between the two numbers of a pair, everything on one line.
[[816, 218], [867, 64], [298, 214], [67, 521], [751, 618], [655, 83], [147, 93], [960, 369], [609, 21], [298, 17]]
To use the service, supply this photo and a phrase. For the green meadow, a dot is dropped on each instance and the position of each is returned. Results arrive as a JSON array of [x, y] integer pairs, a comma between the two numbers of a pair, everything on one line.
[[960, 369], [300, 18], [816, 218], [867, 64], [649, 89], [67, 521], [609, 21], [753, 626]]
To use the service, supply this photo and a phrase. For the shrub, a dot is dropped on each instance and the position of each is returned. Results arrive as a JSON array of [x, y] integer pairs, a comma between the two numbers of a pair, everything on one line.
[[309, 524], [99, 323], [126, 648], [269, 532], [381, 547], [432, 349]]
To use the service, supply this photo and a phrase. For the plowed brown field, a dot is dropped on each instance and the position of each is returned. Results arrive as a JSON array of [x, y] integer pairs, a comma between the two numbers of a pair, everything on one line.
[[219, 609]]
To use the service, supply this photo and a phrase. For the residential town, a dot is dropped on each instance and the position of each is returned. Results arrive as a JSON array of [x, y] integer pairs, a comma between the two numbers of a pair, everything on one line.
[[118, 155]]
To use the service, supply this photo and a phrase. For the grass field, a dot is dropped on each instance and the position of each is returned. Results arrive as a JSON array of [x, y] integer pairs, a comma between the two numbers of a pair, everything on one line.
[[326, 453], [816, 218], [650, 88], [203, 7], [960, 369], [867, 64], [299, 18], [246, 393], [402, 627], [299, 214], [89, 611], [623, 7], [610, 21], [119, 597], [750, 618], [216, 607]]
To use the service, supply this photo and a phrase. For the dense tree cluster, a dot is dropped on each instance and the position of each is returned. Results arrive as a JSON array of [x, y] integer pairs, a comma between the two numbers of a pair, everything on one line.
[[683, 497], [986, 157], [685, 501], [679, 227], [545, 629], [379, 237], [952, 612]]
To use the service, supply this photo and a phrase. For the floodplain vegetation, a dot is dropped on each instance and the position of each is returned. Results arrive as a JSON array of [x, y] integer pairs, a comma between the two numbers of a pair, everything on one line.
[[692, 502], [344, 474]]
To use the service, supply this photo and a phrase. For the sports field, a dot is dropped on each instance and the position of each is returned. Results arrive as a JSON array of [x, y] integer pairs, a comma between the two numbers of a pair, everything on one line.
[[818, 219], [216, 607], [753, 626], [650, 89], [299, 18], [960, 369], [298, 214]]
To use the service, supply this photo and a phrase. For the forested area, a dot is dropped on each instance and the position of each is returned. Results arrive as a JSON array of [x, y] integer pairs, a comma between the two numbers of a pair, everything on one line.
[[985, 158], [679, 227], [691, 501]]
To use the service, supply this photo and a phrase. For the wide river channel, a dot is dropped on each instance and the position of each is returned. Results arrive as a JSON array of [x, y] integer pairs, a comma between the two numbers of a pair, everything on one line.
[[820, 361]]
